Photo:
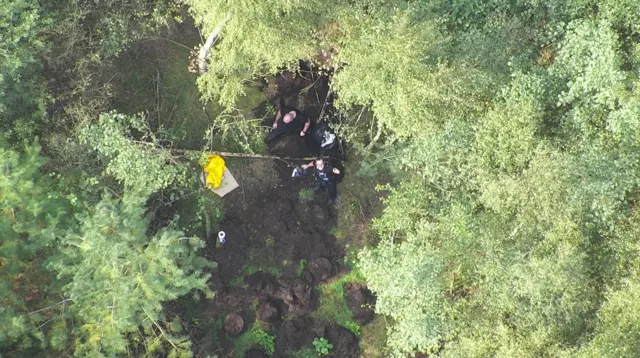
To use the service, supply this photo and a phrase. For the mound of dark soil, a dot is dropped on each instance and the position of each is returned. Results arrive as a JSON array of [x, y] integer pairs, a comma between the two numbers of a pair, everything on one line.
[[297, 296], [345, 343], [358, 300], [321, 269], [268, 312], [295, 334], [233, 324], [262, 284]]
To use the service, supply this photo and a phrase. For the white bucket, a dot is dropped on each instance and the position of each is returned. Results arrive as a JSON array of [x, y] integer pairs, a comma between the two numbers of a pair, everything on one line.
[[221, 237]]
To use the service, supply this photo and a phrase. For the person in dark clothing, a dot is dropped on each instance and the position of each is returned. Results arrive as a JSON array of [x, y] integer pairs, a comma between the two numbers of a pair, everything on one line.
[[325, 175], [288, 120]]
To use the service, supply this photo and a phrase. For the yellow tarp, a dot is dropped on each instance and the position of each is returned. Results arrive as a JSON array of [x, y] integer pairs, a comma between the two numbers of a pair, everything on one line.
[[215, 170]]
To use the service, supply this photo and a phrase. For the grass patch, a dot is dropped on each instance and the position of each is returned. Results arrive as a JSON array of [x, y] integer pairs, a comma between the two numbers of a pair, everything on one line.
[[250, 269], [359, 202], [152, 78], [373, 338], [301, 267], [333, 306], [255, 337], [238, 282], [305, 195]]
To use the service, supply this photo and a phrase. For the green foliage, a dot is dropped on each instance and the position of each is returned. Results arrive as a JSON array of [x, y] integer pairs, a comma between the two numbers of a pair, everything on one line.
[[333, 305], [617, 334], [511, 127], [98, 269], [266, 341], [389, 269], [259, 39], [33, 216], [238, 282], [255, 337], [139, 163], [301, 267], [250, 269], [372, 337], [118, 276], [22, 88], [305, 195], [323, 347], [352, 326]]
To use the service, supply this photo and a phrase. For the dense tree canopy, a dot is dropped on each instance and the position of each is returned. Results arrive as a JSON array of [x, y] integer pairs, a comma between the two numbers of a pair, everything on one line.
[[515, 129], [103, 277]]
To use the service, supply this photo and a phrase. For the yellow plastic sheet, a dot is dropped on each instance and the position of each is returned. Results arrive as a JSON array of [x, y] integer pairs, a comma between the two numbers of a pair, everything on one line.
[[215, 170]]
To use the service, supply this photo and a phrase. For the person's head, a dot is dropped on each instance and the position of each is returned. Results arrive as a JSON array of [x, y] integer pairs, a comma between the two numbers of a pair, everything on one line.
[[319, 163], [288, 118]]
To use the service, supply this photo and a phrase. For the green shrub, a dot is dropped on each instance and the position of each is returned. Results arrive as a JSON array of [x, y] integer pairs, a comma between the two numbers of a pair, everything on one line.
[[265, 340], [322, 346], [256, 336], [351, 326]]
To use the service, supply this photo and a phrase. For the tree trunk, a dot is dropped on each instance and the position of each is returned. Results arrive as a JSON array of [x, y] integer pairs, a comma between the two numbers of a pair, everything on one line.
[[213, 36], [369, 147]]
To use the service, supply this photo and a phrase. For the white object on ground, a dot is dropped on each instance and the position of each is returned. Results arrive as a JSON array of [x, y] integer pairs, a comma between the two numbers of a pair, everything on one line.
[[327, 139], [221, 237]]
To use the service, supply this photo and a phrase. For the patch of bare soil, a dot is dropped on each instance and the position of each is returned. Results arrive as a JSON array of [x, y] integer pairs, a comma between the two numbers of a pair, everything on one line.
[[359, 300], [345, 343]]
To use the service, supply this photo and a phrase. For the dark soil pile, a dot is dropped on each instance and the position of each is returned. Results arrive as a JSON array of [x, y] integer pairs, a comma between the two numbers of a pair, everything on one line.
[[233, 324], [360, 300]]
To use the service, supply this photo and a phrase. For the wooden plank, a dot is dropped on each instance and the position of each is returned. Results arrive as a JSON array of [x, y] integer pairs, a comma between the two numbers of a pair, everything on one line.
[[228, 184]]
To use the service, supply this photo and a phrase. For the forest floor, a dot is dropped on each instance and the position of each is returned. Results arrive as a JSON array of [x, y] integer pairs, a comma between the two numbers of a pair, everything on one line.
[[285, 269]]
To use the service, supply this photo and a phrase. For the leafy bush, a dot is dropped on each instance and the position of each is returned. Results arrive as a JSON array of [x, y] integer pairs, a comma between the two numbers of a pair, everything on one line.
[[322, 346], [256, 336], [352, 326], [265, 340]]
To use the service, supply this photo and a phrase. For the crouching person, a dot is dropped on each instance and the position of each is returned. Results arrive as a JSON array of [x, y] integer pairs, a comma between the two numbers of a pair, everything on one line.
[[325, 175]]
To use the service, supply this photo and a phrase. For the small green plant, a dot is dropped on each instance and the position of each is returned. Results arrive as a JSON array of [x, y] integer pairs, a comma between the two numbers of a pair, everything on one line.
[[270, 109], [249, 270], [352, 326], [265, 340], [322, 346], [305, 195], [255, 337], [301, 267], [237, 282]]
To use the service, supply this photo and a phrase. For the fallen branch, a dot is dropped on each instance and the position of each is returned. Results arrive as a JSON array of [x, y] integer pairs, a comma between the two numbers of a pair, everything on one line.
[[50, 307], [245, 155]]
